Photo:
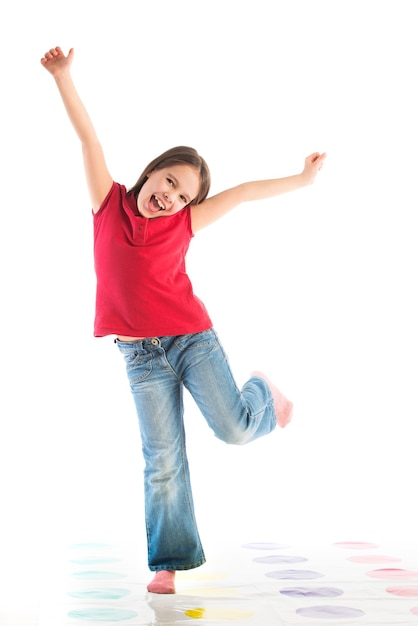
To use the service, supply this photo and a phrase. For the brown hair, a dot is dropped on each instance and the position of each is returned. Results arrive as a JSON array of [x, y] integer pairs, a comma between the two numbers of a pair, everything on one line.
[[180, 155]]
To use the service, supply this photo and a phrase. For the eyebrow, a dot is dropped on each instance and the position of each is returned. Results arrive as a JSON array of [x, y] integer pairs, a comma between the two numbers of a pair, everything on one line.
[[186, 195]]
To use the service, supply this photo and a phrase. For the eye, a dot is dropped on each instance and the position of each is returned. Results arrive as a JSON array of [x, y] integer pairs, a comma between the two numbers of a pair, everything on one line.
[[183, 199], [170, 182]]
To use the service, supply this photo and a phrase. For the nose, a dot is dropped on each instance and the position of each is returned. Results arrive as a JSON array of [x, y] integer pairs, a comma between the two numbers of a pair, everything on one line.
[[168, 197]]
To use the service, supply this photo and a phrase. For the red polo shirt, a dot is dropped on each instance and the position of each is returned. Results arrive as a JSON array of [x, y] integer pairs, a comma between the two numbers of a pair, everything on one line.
[[142, 286]]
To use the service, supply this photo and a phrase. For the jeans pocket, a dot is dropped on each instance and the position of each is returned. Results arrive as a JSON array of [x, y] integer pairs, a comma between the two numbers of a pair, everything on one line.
[[203, 339], [138, 364]]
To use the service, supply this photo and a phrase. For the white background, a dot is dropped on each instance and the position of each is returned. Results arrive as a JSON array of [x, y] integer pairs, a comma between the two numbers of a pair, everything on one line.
[[317, 288]]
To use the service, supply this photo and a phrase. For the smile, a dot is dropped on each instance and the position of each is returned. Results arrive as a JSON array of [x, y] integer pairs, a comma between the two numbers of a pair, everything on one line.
[[157, 203]]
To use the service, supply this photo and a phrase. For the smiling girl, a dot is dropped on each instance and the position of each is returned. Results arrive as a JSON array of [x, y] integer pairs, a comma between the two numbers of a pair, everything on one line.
[[146, 301]]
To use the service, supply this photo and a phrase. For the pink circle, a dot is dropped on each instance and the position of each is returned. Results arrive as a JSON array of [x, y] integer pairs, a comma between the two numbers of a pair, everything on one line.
[[406, 592], [355, 545], [392, 572], [414, 610], [373, 558]]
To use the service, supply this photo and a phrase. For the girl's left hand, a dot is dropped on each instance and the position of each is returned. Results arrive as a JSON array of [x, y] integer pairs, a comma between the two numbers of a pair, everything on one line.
[[313, 163]]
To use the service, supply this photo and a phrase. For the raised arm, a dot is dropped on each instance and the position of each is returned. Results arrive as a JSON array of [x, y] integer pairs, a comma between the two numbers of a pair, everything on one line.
[[215, 207], [98, 177]]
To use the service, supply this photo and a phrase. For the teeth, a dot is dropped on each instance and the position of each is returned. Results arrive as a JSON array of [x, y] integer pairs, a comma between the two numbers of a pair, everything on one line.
[[162, 207]]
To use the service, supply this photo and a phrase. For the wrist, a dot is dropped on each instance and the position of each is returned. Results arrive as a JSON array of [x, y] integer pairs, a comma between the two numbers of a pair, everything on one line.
[[62, 77], [307, 178]]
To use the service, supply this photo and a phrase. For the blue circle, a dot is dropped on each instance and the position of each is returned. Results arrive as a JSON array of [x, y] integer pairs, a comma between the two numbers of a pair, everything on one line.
[[293, 574], [334, 612], [262, 545], [105, 593], [312, 592], [102, 614], [280, 558]]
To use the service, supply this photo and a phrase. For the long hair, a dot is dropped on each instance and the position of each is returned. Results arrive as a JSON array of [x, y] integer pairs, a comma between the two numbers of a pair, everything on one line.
[[180, 155]]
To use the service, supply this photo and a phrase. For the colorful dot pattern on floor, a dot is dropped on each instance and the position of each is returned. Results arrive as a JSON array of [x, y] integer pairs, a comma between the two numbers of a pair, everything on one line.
[[258, 582]]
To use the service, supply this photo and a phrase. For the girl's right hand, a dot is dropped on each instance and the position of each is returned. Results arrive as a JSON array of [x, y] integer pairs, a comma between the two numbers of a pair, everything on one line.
[[56, 62]]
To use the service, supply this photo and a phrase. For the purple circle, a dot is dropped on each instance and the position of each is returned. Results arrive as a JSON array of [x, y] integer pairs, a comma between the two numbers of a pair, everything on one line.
[[294, 574], [312, 592], [332, 612], [263, 546], [280, 558]]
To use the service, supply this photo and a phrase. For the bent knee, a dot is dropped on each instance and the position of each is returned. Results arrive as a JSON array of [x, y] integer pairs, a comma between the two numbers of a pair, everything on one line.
[[235, 438]]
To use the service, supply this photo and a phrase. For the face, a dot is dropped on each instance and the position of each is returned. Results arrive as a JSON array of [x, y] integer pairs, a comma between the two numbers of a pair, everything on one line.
[[168, 190]]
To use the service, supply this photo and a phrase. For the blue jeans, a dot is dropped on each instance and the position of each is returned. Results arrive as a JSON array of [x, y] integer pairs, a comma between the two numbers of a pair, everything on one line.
[[157, 369]]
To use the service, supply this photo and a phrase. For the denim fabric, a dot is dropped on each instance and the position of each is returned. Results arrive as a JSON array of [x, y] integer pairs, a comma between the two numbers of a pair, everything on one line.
[[157, 369]]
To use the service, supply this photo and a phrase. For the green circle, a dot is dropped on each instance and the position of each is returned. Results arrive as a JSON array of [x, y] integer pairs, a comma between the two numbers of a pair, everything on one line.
[[105, 593], [97, 575], [95, 560], [90, 545], [102, 614]]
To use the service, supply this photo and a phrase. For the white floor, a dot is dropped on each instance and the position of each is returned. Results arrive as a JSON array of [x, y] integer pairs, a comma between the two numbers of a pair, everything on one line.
[[258, 582]]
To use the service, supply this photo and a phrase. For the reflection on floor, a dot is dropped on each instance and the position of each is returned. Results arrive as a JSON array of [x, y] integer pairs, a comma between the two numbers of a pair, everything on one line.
[[252, 584]]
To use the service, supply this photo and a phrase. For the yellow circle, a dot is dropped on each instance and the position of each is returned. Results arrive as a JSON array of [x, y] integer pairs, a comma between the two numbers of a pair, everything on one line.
[[209, 591], [204, 576], [214, 612]]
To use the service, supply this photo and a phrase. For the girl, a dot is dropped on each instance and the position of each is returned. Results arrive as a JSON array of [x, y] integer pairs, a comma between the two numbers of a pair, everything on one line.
[[145, 299]]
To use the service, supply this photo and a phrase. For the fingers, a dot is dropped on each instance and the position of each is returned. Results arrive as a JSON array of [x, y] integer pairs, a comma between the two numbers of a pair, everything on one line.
[[316, 159], [315, 156], [54, 54], [313, 164], [321, 160]]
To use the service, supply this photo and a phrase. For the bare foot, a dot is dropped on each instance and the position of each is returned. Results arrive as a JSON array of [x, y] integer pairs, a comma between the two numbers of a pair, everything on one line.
[[163, 582], [282, 406]]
